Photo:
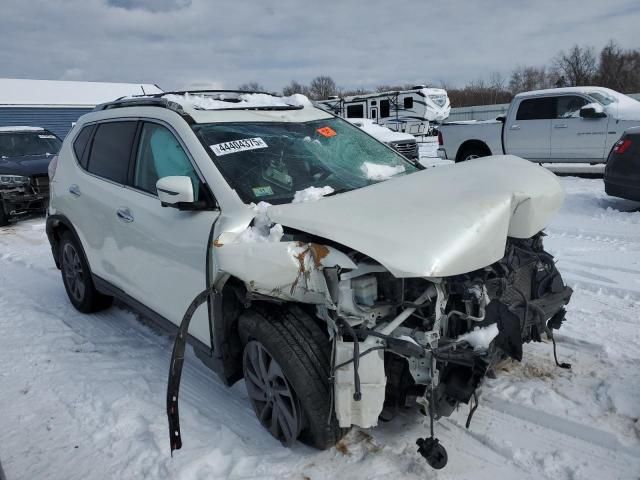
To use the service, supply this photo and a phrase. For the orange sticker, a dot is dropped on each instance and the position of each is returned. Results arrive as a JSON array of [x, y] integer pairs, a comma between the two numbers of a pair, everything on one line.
[[327, 132]]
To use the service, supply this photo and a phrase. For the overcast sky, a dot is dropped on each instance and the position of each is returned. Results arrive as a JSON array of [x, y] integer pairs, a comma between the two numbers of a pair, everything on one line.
[[181, 43]]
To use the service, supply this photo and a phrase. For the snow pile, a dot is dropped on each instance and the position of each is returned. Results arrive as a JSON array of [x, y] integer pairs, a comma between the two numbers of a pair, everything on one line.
[[311, 194], [374, 171], [245, 100], [481, 337], [261, 231]]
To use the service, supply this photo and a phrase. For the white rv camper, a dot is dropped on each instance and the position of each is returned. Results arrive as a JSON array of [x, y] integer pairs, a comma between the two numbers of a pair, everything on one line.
[[407, 111]]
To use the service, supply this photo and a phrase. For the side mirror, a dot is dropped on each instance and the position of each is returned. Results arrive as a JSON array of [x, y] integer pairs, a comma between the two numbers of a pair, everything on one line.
[[592, 110], [501, 118], [176, 192]]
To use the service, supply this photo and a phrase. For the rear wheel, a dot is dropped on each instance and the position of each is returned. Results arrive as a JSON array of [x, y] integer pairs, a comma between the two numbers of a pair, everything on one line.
[[77, 280], [472, 152], [287, 368]]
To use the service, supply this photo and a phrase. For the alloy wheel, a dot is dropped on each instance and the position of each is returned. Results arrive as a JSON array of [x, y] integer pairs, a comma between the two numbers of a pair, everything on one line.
[[73, 272], [271, 394]]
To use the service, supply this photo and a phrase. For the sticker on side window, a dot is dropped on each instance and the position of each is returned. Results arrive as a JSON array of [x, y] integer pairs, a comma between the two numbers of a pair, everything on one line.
[[235, 146], [262, 191], [47, 136]]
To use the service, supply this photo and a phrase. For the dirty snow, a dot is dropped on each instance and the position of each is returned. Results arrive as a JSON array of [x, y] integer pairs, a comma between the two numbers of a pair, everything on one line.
[[480, 337], [311, 194], [263, 229], [248, 100], [83, 396], [375, 171]]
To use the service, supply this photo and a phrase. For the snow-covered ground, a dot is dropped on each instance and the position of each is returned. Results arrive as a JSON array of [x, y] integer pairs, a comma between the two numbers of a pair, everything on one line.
[[83, 396]]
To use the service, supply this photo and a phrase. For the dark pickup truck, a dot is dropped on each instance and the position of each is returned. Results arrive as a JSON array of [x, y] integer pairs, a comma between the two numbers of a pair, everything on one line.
[[25, 153]]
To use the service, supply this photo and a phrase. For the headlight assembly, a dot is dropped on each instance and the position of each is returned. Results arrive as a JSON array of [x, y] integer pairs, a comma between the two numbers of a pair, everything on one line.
[[13, 180]]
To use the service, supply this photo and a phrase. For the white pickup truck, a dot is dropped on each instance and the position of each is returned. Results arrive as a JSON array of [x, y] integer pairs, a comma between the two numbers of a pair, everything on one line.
[[575, 124]]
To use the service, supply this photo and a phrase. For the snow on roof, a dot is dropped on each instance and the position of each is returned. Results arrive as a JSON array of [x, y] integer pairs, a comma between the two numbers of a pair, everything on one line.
[[21, 129], [547, 91], [65, 93], [245, 100]]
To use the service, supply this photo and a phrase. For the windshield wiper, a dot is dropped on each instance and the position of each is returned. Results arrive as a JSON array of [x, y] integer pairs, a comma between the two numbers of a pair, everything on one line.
[[336, 192]]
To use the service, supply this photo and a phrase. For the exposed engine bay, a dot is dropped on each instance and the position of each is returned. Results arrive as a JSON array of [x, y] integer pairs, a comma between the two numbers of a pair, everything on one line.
[[415, 336]]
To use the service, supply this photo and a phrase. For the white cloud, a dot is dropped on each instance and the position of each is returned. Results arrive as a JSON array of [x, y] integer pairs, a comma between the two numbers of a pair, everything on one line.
[[178, 43]]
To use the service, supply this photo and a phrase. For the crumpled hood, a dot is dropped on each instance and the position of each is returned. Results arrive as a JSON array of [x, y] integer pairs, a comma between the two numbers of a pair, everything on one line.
[[438, 222], [26, 166]]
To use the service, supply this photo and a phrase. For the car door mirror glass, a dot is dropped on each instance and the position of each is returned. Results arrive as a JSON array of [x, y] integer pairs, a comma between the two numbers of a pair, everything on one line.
[[592, 110], [175, 191]]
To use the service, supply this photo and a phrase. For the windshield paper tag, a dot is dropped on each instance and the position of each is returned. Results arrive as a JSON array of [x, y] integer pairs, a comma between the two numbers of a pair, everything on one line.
[[327, 132], [262, 191], [235, 146]]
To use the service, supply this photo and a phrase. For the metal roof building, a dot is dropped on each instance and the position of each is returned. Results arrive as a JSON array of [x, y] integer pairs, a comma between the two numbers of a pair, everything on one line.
[[56, 104]]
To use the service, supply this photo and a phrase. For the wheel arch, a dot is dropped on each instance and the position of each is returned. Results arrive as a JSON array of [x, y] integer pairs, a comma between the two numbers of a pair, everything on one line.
[[474, 144], [56, 227]]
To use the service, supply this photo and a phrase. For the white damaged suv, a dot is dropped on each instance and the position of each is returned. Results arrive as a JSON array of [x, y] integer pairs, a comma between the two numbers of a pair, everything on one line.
[[293, 250]]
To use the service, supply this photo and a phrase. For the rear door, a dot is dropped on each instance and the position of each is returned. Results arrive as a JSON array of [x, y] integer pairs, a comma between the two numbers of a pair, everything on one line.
[[528, 131], [163, 251], [573, 138], [93, 192]]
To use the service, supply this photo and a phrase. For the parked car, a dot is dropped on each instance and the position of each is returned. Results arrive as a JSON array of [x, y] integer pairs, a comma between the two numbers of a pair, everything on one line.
[[25, 153], [622, 172], [576, 124], [403, 143], [301, 234]]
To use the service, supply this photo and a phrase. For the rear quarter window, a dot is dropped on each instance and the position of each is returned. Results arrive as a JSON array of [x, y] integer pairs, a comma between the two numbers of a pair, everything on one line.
[[80, 145], [111, 150]]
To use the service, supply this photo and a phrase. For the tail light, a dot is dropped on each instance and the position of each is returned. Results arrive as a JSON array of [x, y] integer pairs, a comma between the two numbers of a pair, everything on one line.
[[51, 169], [622, 146], [440, 141]]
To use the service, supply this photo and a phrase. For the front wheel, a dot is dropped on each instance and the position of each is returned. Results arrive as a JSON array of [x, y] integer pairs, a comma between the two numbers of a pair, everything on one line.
[[77, 280], [4, 216], [286, 370]]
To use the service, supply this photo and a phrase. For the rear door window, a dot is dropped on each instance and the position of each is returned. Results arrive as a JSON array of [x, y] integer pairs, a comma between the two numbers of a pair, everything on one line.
[[111, 150], [537, 109]]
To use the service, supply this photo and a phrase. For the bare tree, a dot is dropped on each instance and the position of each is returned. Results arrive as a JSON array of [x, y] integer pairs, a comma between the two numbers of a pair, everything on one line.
[[295, 87], [322, 87], [251, 87], [528, 78], [578, 66], [619, 69]]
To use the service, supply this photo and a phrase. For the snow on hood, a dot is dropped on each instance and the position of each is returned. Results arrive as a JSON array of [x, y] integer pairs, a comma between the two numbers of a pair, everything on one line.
[[311, 194], [21, 129], [626, 108], [438, 222], [380, 132]]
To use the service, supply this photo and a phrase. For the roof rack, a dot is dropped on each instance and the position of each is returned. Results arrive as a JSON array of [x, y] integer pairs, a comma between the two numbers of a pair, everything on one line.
[[219, 91]]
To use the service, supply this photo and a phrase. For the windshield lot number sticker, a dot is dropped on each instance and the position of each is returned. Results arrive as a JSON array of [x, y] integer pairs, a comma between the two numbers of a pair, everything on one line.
[[235, 146], [327, 132], [46, 136]]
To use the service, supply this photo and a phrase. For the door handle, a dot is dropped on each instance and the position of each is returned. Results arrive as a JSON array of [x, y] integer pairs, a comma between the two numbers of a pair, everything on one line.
[[560, 125], [74, 190], [125, 215], [514, 127]]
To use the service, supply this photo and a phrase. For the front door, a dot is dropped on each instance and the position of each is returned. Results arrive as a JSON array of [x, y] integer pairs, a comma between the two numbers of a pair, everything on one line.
[[163, 249], [574, 138]]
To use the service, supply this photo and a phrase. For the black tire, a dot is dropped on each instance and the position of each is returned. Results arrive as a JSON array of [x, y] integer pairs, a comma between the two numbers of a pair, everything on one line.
[[4, 217], [472, 152], [303, 352], [77, 280]]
